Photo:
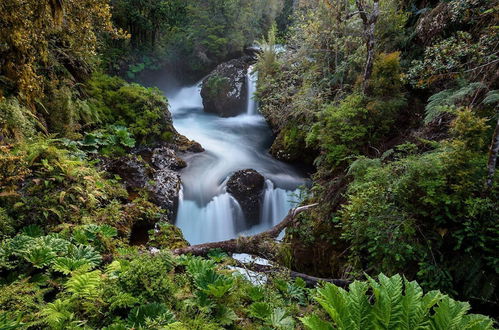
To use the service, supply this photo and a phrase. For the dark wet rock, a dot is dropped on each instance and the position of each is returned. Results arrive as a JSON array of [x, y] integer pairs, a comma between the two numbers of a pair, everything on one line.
[[164, 189], [433, 22], [153, 170], [166, 158], [247, 188], [224, 91], [185, 145], [131, 169]]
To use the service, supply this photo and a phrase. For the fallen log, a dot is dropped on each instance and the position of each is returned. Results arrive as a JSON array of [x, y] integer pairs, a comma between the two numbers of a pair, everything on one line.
[[311, 281], [262, 245]]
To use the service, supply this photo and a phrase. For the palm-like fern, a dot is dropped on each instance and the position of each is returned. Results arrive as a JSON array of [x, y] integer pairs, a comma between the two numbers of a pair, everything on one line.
[[397, 304], [84, 285], [58, 314], [150, 314], [445, 100], [40, 256], [85, 252], [67, 265]]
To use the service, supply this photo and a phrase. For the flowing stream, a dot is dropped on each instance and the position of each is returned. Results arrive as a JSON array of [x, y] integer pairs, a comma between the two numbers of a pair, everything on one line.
[[206, 211]]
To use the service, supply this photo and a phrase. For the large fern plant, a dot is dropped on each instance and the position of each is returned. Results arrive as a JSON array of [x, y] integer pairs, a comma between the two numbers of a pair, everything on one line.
[[392, 303]]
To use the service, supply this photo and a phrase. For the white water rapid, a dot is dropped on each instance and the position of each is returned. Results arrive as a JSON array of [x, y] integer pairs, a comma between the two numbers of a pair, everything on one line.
[[206, 211]]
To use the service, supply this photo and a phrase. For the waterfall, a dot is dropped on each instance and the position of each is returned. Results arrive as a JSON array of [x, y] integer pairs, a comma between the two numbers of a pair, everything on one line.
[[251, 80], [216, 221], [187, 98], [206, 212], [276, 203]]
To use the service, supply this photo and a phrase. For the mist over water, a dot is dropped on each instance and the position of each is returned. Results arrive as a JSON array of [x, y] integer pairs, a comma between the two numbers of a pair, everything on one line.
[[206, 211]]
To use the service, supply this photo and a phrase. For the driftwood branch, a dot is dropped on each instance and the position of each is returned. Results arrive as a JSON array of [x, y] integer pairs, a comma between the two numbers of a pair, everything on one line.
[[261, 245]]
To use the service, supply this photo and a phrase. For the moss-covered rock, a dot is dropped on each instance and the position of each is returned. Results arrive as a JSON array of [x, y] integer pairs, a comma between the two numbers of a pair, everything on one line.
[[166, 236], [224, 91]]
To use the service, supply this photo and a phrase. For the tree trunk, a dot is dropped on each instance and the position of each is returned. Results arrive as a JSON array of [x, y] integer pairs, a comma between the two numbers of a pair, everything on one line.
[[493, 153], [262, 245], [369, 21]]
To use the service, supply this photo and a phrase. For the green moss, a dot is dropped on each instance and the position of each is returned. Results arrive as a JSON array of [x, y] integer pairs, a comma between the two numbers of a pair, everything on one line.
[[16, 121], [167, 236], [216, 85], [144, 111]]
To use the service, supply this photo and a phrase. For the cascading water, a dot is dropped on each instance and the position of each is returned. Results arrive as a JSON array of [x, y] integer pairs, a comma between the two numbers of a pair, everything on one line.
[[251, 80], [206, 211]]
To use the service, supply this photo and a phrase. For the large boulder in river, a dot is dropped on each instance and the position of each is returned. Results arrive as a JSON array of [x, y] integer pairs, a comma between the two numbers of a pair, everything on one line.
[[224, 91], [247, 188]]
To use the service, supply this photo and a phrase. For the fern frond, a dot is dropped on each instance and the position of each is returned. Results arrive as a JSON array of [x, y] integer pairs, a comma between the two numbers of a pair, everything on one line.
[[492, 97], [141, 315], [85, 252], [84, 285], [335, 301], [358, 306], [68, 265], [57, 314], [387, 308], [449, 314], [313, 322], [446, 100], [279, 319]]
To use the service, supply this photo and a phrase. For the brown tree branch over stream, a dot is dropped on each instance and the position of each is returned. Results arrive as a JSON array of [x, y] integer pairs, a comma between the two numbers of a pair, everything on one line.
[[262, 245]]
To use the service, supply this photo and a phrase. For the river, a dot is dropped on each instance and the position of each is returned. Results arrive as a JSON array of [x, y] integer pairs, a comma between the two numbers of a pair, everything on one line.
[[206, 211]]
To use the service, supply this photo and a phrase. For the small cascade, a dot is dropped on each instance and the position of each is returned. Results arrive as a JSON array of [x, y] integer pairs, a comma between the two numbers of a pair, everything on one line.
[[216, 221], [186, 98], [276, 204], [251, 80]]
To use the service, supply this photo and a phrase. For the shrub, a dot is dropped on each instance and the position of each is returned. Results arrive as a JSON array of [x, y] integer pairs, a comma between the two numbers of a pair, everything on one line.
[[16, 121], [145, 278], [398, 214], [215, 85], [45, 181]]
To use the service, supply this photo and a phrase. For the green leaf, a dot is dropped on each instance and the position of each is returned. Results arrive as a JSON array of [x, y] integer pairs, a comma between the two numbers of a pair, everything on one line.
[[260, 310], [280, 319]]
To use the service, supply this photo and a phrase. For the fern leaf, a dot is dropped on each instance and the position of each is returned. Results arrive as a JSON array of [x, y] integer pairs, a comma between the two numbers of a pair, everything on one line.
[[476, 322], [358, 306], [84, 252], [449, 314], [141, 315], [68, 265], [313, 322], [84, 285], [260, 310], [492, 97], [280, 320], [387, 309], [57, 314], [334, 300]]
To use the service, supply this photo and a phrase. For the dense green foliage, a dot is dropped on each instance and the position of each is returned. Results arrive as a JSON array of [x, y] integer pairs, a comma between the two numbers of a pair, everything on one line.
[[402, 165], [400, 155], [194, 35]]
